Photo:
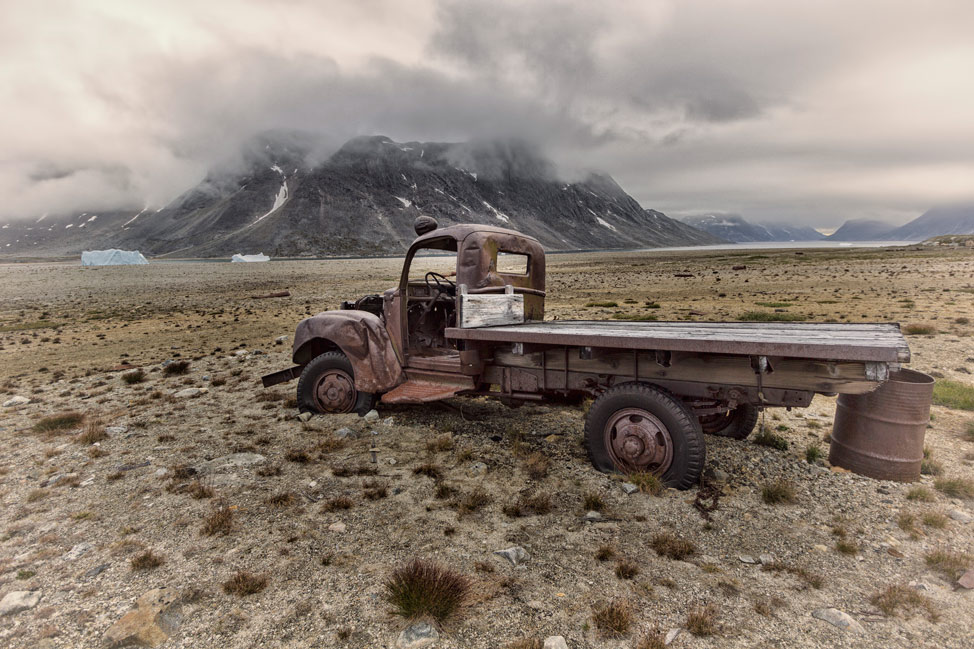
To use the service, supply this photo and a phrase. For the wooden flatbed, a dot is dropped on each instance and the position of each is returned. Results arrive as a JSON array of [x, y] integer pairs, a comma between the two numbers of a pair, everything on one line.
[[881, 342]]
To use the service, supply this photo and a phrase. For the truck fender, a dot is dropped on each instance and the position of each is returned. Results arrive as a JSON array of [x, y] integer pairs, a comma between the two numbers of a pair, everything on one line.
[[361, 336]]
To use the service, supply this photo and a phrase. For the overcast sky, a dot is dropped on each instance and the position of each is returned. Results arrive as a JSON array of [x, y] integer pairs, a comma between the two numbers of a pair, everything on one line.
[[809, 112]]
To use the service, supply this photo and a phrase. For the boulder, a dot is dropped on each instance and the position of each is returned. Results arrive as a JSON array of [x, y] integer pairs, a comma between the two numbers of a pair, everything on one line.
[[839, 619], [13, 402], [516, 555], [19, 600], [421, 634], [157, 616]]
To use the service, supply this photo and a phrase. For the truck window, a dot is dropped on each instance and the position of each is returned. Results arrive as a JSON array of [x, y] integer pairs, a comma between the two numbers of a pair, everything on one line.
[[437, 261], [510, 263]]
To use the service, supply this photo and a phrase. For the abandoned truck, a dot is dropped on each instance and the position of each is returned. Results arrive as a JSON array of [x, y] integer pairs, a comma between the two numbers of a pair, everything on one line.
[[658, 386]]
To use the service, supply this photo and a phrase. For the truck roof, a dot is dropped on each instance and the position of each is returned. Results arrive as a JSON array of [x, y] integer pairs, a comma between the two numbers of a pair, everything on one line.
[[462, 231]]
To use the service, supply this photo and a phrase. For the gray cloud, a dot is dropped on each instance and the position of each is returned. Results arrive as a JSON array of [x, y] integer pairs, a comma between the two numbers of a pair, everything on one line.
[[809, 112]]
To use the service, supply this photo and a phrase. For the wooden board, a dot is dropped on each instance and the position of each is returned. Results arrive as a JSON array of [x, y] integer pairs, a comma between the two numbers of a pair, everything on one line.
[[487, 310], [822, 341]]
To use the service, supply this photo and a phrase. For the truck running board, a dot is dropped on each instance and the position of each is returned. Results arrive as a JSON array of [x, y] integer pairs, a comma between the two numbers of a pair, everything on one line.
[[423, 387]]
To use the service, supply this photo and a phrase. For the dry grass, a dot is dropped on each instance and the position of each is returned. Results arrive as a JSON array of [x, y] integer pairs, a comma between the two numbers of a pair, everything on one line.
[[282, 499], [626, 569], [956, 487], [94, 432], [219, 521], [605, 552], [770, 439], [245, 583], [538, 504], [614, 618], [58, 423], [440, 444], [648, 483], [537, 465], [473, 501], [429, 470], [778, 492], [810, 578], [176, 368], [592, 502], [374, 489], [702, 621], [526, 643], [146, 560], [136, 376], [339, 503], [847, 547], [900, 597], [651, 640], [915, 329], [669, 545], [936, 520], [426, 589], [200, 490], [297, 455], [921, 494], [949, 564], [953, 394]]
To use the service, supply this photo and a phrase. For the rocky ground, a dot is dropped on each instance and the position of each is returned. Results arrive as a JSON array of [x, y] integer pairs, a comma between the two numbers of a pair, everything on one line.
[[131, 522]]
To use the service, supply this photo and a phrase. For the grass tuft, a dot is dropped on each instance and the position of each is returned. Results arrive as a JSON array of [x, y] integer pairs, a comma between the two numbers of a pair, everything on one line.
[[814, 580], [955, 487], [648, 483], [899, 597], [472, 501], [536, 466], [778, 492], [283, 499], [429, 470], [953, 394], [607, 305], [614, 618], [702, 621], [219, 521], [426, 589], [626, 569], [592, 502], [245, 583], [918, 329], [766, 316], [59, 423], [146, 561], [948, 563], [177, 368], [669, 545], [131, 378], [770, 439], [337, 504], [921, 494], [813, 453]]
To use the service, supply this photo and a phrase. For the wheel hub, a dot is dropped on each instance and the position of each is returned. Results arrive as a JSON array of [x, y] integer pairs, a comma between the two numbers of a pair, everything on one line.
[[638, 441], [335, 392]]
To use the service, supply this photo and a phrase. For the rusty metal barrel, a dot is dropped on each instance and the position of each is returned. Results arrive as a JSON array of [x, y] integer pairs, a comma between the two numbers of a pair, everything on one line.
[[880, 434]]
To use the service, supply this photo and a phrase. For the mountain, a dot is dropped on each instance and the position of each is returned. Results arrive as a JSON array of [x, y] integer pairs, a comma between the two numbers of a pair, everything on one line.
[[734, 228], [861, 230], [949, 219], [362, 200]]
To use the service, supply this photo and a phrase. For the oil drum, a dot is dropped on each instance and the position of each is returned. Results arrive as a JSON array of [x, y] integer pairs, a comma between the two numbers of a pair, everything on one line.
[[880, 434]]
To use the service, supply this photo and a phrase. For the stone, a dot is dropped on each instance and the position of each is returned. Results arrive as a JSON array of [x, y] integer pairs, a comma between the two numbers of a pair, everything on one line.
[[960, 516], [19, 600], [305, 416], [671, 636], [551, 439], [346, 433], [421, 634], [818, 547], [592, 517], [478, 468], [241, 352], [188, 393], [388, 421], [555, 642], [966, 580], [116, 430], [337, 527], [76, 551], [516, 555], [746, 558], [97, 570], [280, 340], [372, 415], [13, 402], [765, 559], [839, 619], [157, 616], [232, 461], [629, 488]]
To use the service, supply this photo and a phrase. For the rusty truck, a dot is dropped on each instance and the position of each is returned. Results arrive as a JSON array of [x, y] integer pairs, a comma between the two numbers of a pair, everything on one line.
[[478, 329]]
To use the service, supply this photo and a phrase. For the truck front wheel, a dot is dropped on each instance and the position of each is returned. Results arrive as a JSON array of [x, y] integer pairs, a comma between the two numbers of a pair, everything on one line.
[[637, 427], [327, 385]]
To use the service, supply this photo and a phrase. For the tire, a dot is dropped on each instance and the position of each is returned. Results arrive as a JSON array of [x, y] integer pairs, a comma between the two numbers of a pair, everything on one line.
[[662, 434], [736, 424], [327, 386]]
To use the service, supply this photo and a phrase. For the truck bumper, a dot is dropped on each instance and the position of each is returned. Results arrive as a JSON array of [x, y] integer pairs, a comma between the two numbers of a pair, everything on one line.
[[281, 377]]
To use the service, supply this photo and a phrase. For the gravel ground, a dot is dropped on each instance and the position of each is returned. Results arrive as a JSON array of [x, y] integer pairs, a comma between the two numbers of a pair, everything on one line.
[[75, 513]]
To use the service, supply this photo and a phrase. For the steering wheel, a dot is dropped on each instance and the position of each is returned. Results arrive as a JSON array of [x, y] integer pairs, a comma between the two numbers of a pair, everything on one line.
[[443, 285]]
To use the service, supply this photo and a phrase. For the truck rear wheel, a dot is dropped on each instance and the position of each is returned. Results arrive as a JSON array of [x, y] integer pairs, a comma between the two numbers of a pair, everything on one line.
[[637, 427], [736, 424], [327, 386]]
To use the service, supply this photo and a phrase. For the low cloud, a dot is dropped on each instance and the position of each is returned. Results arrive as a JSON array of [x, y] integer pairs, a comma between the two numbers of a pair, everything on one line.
[[774, 110]]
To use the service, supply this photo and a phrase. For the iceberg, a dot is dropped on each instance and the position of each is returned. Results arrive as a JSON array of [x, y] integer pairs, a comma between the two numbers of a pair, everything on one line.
[[258, 257], [112, 257]]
